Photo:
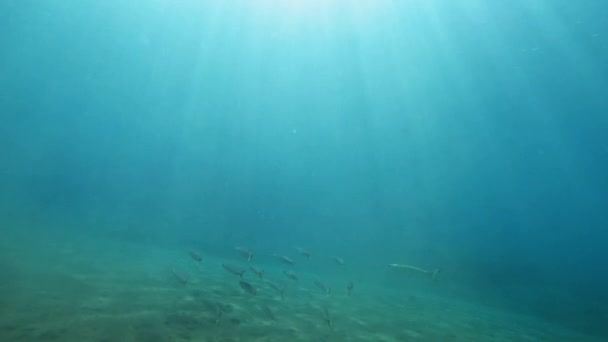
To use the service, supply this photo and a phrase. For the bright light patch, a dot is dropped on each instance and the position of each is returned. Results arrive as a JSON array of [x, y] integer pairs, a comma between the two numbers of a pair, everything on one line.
[[315, 9]]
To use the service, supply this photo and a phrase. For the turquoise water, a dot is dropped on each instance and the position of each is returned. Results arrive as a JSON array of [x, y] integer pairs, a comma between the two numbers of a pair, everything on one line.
[[466, 137]]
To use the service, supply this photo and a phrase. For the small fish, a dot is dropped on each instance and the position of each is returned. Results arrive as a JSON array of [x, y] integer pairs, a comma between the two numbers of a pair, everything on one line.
[[248, 287], [257, 271], [234, 270], [350, 287], [338, 260], [180, 277], [196, 256], [291, 275], [323, 287], [327, 318], [286, 260], [246, 253], [433, 274], [303, 252], [219, 312], [279, 289]]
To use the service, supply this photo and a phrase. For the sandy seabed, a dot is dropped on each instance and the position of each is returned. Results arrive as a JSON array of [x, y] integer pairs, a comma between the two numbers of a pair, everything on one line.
[[59, 290]]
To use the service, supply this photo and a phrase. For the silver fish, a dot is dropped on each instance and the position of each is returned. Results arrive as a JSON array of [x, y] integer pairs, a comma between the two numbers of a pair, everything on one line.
[[323, 287], [291, 275], [234, 270], [338, 260], [196, 256], [408, 268], [303, 252], [286, 260], [327, 318], [248, 287], [246, 253], [181, 278], [257, 271]]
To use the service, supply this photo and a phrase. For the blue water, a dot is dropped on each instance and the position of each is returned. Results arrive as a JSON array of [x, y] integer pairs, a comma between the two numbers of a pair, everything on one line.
[[468, 136]]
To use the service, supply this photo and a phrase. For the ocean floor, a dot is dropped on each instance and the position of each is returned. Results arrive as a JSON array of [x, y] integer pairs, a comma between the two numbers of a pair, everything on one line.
[[60, 290]]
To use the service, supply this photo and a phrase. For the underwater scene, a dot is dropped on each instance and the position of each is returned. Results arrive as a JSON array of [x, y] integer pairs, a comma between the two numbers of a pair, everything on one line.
[[303, 170]]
